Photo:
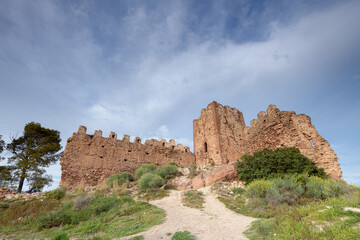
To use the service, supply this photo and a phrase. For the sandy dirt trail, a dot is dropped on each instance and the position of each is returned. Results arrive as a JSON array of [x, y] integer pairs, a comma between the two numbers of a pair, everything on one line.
[[214, 221]]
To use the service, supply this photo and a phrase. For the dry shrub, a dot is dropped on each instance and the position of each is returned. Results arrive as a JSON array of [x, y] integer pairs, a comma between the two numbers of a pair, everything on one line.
[[81, 202], [102, 189], [81, 187]]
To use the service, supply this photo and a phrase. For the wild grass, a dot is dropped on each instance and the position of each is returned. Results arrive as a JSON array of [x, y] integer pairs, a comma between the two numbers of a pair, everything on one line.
[[305, 211], [150, 195], [193, 199], [108, 217], [185, 235]]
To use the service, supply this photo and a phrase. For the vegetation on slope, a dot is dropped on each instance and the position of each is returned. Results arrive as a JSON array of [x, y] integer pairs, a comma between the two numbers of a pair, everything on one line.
[[108, 212], [276, 163], [296, 207], [193, 199]]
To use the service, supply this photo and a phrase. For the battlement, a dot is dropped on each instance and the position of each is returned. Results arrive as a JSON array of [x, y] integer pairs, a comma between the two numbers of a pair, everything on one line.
[[220, 136], [82, 130], [93, 158]]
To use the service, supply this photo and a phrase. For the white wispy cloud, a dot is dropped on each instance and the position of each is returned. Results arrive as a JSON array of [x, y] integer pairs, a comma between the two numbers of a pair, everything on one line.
[[148, 70]]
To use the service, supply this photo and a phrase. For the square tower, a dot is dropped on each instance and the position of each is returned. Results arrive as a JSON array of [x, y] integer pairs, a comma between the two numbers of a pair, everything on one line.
[[217, 134]]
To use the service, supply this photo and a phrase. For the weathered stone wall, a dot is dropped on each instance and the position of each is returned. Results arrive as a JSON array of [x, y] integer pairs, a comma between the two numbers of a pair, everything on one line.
[[215, 138], [223, 130], [93, 158]]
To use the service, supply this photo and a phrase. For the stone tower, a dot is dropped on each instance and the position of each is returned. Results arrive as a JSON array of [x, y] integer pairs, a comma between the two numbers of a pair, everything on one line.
[[217, 136]]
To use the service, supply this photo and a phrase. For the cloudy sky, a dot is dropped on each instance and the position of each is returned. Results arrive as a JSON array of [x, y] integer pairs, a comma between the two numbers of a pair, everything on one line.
[[146, 68]]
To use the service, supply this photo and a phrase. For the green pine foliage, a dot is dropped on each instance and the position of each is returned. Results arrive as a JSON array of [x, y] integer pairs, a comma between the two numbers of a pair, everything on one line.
[[276, 163], [32, 152]]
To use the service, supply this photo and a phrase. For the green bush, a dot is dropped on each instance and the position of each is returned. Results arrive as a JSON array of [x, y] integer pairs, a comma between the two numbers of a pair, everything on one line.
[[258, 188], [4, 205], [273, 197], [185, 235], [151, 181], [319, 188], [60, 236], [300, 178], [288, 185], [121, 178], [276, 163], [104, 204], [167, 172], [145, 168], [238, 190], [57, 194], [276, 191]]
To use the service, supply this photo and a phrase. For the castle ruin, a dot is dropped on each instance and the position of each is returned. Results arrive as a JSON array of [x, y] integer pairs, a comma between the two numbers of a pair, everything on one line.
[[93, 158], [220, 136]]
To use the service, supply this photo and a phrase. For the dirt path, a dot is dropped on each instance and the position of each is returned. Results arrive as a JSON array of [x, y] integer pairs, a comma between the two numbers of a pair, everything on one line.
[[214, 221]]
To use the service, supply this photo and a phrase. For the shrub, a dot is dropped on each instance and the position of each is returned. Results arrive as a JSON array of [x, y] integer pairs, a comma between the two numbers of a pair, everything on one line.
[[57, 194], [104, 204], [167, 172], [300, 178], [151, 181], [185, 235], [258, 188], [276, 191], [4, 205], [57, 218], [289, 189], [102, 189], [273, 197], [121, 178], [81, 202], [319, 188], [276, 163], [145, 168], [192, 170], [61, 236], [238, 190]]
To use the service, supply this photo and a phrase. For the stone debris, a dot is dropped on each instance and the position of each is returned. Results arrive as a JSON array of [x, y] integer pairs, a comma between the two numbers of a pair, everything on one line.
[[8, 194]]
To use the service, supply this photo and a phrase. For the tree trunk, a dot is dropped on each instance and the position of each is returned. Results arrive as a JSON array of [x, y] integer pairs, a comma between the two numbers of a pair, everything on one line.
[[21, 184]]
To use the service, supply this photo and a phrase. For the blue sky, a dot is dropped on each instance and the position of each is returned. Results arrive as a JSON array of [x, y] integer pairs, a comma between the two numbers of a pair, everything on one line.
[[146, 68]]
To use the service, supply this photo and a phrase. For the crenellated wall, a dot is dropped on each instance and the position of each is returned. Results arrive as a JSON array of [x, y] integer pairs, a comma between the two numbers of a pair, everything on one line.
[[220, 136], [93, 158]]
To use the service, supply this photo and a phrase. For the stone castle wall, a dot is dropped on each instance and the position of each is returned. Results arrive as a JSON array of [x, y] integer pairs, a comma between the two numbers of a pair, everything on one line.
[[220, 136], [93, 158]]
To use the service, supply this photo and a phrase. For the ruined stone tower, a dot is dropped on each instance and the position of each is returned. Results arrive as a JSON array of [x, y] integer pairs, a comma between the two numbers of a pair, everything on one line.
[[220, 136], [217, 134]]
